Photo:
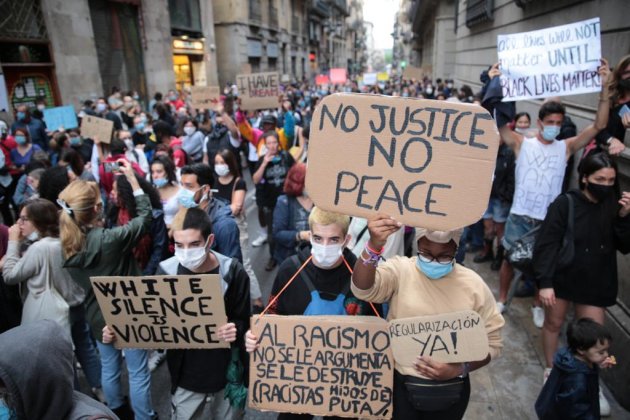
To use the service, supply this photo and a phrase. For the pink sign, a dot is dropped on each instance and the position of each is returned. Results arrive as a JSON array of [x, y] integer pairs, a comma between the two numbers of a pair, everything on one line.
[[338, 76], [322, 79]]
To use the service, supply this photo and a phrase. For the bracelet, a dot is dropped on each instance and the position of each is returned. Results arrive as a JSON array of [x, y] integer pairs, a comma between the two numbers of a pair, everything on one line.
[[373, 251], [372, 259]]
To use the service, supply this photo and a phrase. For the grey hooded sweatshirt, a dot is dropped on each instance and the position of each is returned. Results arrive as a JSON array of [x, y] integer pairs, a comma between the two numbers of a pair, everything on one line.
[[36, 370]]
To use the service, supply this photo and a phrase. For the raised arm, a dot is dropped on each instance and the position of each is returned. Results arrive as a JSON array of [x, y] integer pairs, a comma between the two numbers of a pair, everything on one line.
[[601, 118], [510, 137]]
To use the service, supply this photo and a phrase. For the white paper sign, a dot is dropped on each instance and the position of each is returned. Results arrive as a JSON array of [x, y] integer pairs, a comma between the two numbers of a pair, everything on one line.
[[369, 78], [557, 61]]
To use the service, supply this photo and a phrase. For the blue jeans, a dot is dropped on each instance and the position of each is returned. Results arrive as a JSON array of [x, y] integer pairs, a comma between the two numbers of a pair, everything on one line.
[[139, 379], [84, 347]]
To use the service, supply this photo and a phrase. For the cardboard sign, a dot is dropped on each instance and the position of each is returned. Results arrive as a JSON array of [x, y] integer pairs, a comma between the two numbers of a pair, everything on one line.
[[425, 163], [369, 78], [322, 79], [163, 312], [448, 338], [258, 90], [60, 117], [94, 127], [322, 365], [205, 97], [412, 72], [338, 76], [557, 61]]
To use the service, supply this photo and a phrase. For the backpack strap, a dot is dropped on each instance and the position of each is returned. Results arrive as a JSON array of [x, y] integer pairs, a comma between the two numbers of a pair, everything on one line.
[[305, 276]]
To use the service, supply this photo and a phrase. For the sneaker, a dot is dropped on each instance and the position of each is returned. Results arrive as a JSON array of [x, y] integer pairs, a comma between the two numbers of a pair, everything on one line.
[[98, 394], [260, 241], [604, 406], [500, 307], [546, 375], [156, 357], [538, 315]]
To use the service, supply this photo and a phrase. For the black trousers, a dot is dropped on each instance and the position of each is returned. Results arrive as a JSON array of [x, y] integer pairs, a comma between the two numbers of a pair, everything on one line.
[[403, 410]]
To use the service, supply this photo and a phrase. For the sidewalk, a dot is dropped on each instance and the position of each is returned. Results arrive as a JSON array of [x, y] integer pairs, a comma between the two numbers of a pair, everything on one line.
[[508, 387]]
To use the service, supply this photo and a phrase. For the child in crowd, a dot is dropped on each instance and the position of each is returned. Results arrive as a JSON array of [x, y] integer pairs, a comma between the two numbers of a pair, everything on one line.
[[572, 390]]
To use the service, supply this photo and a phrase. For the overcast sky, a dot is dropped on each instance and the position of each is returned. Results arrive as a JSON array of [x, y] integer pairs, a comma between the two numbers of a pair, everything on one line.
[[382, 14]]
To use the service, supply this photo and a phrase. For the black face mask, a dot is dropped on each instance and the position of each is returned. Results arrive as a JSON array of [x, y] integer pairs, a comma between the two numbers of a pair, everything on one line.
[[598, 191], [624, 84]]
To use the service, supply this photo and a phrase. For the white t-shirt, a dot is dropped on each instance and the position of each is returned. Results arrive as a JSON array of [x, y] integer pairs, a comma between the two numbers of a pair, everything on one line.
[[539, 173]]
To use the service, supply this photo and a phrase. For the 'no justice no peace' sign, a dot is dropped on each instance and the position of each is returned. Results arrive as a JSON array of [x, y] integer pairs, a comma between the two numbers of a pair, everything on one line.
[[425, 163]]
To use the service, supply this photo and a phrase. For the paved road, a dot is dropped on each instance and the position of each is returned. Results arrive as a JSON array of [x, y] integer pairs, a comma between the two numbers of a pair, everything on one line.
[[506, 389]]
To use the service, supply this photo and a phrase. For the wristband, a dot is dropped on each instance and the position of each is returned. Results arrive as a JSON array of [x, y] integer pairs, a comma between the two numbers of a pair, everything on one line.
[[610, 139], [372, 259], [373, 251]]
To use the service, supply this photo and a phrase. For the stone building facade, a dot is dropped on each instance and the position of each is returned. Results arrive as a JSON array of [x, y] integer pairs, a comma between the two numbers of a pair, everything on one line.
[[459, 39]]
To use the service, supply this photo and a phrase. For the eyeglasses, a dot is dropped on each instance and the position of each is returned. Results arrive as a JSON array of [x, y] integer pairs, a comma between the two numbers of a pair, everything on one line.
[[441, 259], [23, 219]]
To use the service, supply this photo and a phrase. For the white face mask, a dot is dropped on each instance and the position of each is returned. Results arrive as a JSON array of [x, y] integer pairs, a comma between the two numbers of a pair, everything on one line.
[[326, 255], [189, 130], [34, 236], [191, 258], [221, 169]]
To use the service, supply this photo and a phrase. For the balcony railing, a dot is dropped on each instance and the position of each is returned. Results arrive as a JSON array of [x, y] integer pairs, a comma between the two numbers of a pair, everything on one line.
[[478, 11]]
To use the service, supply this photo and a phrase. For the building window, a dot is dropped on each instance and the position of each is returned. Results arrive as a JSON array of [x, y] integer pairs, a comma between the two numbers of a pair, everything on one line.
[[22, 20], [255, 11], [273, 64], [254, 62], [273, 15], [478, 11], [185, 15]]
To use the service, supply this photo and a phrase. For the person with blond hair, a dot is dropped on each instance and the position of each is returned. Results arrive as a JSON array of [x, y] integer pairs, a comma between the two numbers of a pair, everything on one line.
[[90, 250]]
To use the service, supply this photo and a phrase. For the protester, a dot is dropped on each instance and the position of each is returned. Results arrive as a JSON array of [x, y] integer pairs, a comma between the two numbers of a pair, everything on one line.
[[572, 390], [164, 179], [224, 135], [198, 377], [90, 250], [533, 196], [192, 140], [612, 137], [232, 188], [429, 284], [36, 376], [28, 185], [34, 257], [270, 175], [103, 111], [589, 281], [196, 191], [23, 153], [33, 128], [290, 216]]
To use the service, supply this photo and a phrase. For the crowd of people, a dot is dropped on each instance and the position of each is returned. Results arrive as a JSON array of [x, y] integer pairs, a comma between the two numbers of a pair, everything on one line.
[[166, 195]]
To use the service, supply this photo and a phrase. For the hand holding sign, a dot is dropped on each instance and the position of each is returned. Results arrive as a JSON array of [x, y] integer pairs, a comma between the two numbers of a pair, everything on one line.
[[432, 369], [381, 226]]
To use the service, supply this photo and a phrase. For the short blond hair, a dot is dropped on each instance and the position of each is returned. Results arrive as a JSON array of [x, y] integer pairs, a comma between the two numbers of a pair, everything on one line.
[[323, 217]]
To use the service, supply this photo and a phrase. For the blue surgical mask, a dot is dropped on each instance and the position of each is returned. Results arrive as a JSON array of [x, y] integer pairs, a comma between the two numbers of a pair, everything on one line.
[[21, 115], [186, 198], [550, 132], [100, 107], [160, 182], [140, 126], [75, 141], [20, 139], [276, 159], [434, 270]]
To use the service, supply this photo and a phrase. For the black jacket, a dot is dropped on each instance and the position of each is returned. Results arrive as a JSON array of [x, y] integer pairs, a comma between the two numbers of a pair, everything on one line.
[[503, 183], [614, 128], [598, 234], [211, 365], [571, 391]]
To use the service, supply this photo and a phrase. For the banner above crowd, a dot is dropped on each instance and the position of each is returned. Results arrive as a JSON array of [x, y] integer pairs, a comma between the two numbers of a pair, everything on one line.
[[557, 61]]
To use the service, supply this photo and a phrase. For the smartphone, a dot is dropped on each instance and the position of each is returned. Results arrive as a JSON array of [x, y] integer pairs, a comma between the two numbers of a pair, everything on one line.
[[111, 167], [624, 110]]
